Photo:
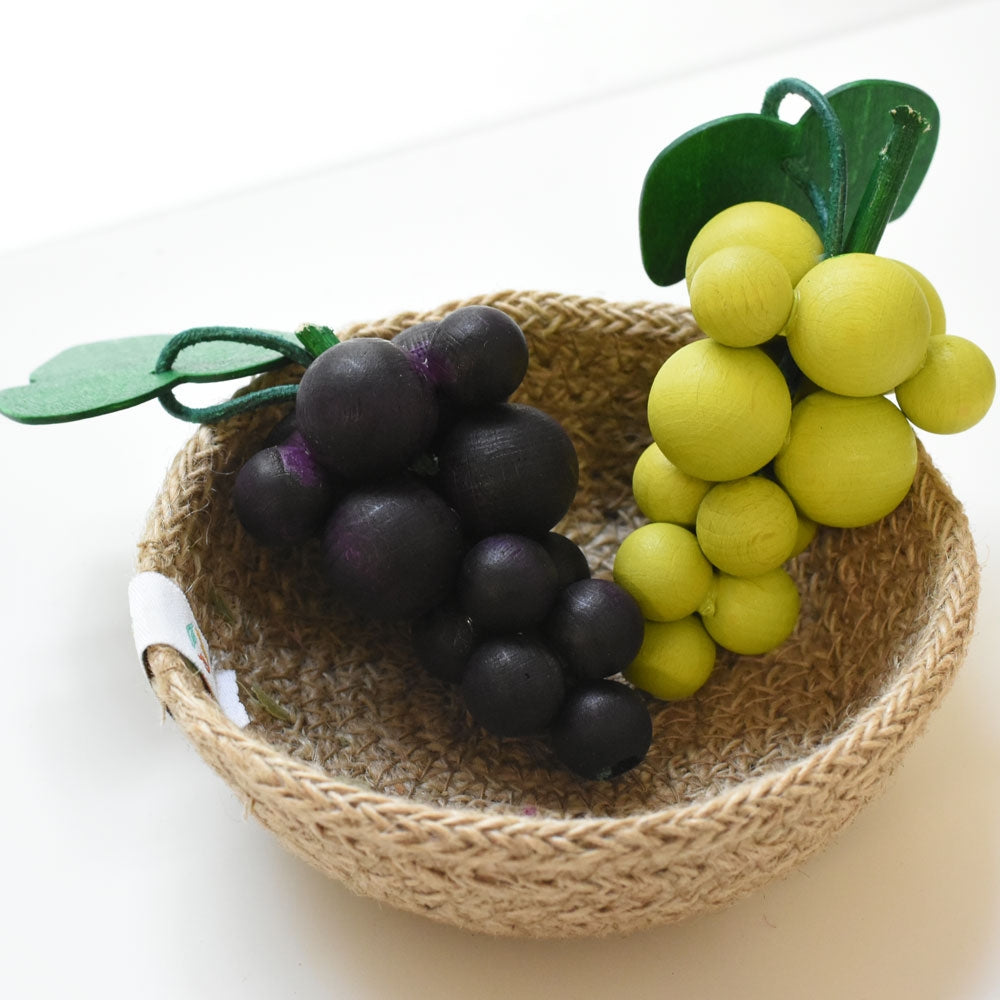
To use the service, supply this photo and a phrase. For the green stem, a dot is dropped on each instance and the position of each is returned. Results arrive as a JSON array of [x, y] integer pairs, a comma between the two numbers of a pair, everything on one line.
[[230, 408], [798, 170], [316, 339], [886, 181], [281, 345], [243, 335], [832, 210]]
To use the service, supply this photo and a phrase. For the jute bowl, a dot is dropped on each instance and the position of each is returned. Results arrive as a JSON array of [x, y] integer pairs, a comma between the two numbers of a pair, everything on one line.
[[381, 780]]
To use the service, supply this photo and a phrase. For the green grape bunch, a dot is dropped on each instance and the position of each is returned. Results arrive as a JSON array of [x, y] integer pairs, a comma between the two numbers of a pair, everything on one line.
[[820, 360], [859, 328], [778, 422]]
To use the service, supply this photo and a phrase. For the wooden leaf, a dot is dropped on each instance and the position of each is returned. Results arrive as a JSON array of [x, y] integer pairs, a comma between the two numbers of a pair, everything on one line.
[[91, 379], [740, 158]]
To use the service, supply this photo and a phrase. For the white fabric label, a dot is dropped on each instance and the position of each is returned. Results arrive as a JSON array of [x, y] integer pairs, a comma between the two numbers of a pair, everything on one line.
[[161, 615]]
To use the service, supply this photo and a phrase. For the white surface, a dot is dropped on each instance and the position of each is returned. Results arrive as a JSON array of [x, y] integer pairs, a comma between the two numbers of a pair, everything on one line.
[[130, 868], [112, 110]]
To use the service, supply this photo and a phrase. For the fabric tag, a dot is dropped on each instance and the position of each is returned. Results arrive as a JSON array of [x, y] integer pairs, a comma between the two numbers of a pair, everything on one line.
[[161, 614]]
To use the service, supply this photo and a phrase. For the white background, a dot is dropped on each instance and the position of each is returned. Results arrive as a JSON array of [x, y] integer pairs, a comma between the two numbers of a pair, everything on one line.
[[249, 164]]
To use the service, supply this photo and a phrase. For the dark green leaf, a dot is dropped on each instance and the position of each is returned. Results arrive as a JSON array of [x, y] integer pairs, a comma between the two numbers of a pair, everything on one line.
[[740, 158]]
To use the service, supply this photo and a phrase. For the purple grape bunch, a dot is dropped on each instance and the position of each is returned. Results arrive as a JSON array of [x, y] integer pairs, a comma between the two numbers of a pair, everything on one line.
[[435, 497]]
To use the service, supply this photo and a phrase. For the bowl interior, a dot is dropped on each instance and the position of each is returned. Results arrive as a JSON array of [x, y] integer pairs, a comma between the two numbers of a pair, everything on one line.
[[356, 705]]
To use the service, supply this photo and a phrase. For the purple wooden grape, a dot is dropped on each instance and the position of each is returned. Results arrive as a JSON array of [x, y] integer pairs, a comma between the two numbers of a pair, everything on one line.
[[443, 641], [392, 550], [416, 341], [513, 686], [479, 355], [282, 495], [603, 730], [596, 627], [364, 410], [282, 430], [508, 468], [475, 356], [507, 583], [570, 560]]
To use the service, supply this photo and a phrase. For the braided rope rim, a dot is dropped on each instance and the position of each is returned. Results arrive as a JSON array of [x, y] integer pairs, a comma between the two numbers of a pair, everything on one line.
[[549, 876]]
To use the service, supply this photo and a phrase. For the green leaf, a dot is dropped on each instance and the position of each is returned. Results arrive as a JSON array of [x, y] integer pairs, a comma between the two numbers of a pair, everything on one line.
[[91, 379], [740, 158]]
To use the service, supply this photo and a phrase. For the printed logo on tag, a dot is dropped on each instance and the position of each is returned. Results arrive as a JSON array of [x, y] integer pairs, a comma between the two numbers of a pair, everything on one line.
[[199, 645]]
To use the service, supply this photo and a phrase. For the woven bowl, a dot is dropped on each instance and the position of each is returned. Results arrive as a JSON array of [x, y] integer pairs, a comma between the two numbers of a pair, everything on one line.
[[381, 780]]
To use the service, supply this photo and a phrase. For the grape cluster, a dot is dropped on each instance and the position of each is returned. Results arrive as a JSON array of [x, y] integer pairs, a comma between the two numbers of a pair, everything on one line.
[[435, 498], [776, 423]]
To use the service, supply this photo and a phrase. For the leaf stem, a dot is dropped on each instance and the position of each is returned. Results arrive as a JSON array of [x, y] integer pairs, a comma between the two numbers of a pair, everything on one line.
[[833, 210], [886, 181], [276, 342], [798, 170], [243, 335], [230, 408]]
